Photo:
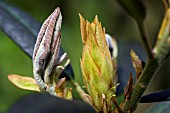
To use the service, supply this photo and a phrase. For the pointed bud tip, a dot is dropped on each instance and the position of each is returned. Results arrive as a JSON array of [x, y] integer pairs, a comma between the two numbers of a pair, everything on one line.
[[96, 20], [57, 10], [132, 53], [80, 16], [83, 28]]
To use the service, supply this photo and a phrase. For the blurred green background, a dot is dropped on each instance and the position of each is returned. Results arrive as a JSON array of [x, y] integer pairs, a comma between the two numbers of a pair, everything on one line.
[[113, 18]]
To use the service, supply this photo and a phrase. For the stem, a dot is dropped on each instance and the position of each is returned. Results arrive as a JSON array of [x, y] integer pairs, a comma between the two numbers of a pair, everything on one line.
[[142, 83], [144, 39], [162, 52], [166, 4]]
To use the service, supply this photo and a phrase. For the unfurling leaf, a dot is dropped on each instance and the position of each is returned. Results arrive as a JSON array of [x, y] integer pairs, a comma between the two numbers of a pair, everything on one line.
[[47, 65], [23, 82], [129, 88], [62, 90], [137, 64], [97, 66]]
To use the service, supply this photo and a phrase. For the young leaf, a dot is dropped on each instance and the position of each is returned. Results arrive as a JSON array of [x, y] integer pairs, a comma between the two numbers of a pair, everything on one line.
[[129, 88], [23, 30], [22, 82], [137, 64]]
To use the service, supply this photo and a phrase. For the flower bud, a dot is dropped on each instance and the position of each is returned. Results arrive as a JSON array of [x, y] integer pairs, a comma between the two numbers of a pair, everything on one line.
[[97, 64]]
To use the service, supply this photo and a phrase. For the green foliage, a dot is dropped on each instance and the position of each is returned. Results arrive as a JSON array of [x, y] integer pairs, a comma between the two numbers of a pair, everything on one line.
[[135, 8]]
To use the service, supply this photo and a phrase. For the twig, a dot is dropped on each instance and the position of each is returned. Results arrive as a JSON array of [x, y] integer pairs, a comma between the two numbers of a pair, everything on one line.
[[166, 4], [142, 83], [145, 39]]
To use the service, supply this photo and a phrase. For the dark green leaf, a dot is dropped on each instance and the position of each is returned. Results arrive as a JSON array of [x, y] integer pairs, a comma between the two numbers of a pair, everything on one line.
[[135, 8], [19, 26], [43, 103], [159, 96]]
